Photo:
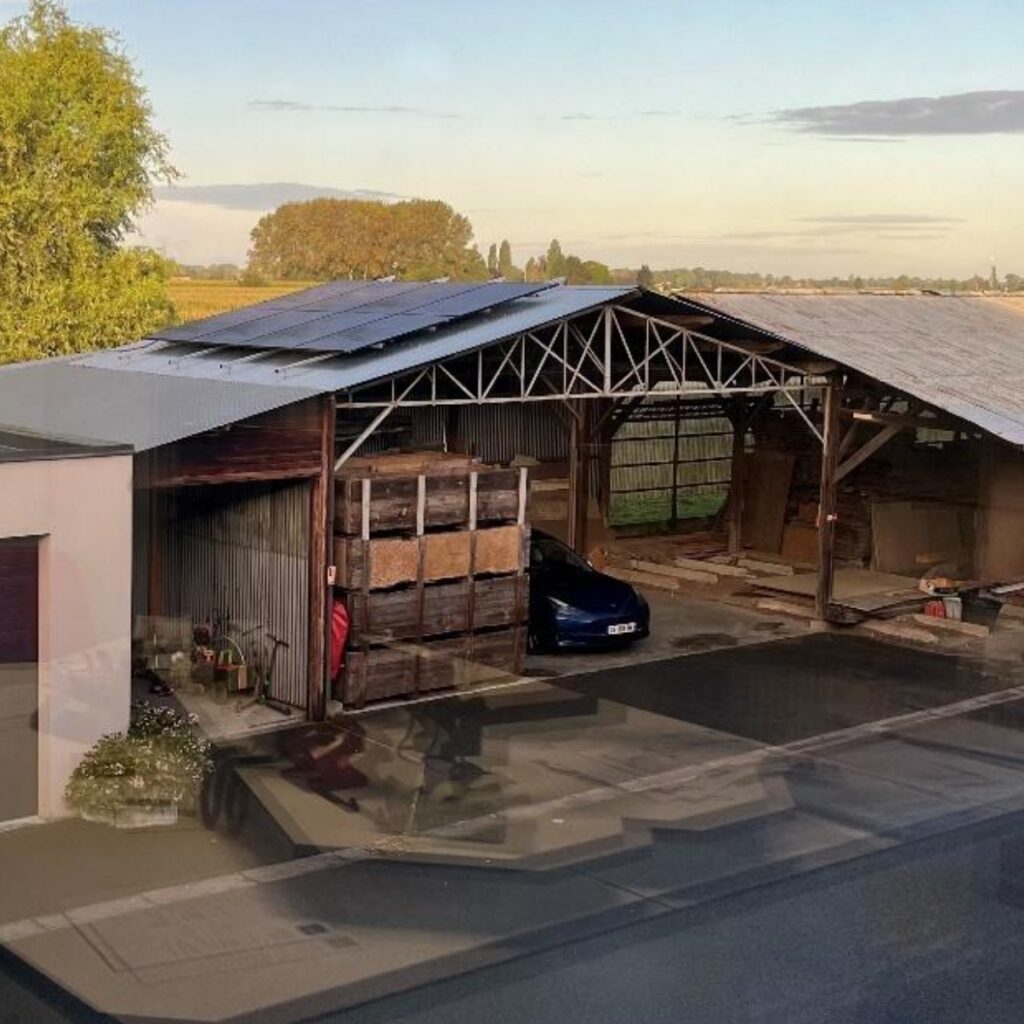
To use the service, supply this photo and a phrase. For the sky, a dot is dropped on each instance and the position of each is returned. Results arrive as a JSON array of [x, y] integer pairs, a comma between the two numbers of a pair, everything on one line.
[[803, 137]]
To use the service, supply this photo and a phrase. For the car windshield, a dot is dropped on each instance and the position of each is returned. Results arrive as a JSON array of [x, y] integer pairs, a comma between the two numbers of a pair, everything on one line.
[[547, 552]]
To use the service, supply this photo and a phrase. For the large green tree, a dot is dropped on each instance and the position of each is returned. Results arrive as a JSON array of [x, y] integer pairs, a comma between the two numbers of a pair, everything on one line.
[[321, 239], [78, 158]]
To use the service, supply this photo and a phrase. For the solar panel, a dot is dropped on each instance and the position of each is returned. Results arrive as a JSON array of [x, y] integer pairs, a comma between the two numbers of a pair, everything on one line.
[[346, 316]]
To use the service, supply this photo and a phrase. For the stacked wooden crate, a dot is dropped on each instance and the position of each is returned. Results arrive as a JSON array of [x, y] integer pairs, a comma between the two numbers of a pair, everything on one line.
[[430, 552]]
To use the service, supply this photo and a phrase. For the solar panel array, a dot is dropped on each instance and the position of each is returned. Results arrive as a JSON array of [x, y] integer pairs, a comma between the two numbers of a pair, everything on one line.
[[346, 316]]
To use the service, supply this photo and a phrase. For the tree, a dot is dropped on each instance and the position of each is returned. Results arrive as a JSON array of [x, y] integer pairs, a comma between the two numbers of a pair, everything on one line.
[[78, 159], [555, 260], [506, 268], [321, 239], [492, 261], [645, 277]]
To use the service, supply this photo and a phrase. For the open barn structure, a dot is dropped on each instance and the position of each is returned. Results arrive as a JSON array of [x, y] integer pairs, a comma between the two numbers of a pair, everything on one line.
[[239, 425]]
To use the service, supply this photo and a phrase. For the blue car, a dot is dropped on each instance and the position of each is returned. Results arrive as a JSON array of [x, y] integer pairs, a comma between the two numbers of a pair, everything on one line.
[[573, 606]]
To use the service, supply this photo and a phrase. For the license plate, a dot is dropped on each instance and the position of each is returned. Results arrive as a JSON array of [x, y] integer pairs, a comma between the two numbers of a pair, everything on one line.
[[622, 627]]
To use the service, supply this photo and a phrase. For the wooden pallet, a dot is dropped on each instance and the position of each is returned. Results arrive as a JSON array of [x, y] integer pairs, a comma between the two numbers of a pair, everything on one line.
[[404, 669]]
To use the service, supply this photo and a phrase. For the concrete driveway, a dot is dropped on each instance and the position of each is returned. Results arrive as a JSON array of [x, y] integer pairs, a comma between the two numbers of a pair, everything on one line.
[[496, 829]]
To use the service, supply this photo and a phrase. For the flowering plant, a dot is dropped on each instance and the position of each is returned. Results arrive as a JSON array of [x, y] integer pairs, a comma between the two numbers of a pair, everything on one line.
[[159, 761]]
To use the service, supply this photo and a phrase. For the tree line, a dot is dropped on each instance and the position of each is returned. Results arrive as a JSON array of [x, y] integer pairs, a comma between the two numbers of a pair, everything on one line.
[[701, 279]]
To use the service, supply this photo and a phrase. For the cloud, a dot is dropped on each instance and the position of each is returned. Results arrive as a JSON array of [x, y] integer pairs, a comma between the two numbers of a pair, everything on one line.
[[881, 219], [262, 196], [626, 115], [882, 225], [968, 113], [336, 108]]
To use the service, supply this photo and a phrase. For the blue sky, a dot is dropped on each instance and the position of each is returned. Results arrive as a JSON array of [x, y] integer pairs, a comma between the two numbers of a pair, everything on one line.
[[735, 134]]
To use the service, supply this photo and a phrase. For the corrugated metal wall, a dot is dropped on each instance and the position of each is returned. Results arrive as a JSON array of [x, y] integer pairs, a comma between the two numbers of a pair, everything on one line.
[[243, 550]]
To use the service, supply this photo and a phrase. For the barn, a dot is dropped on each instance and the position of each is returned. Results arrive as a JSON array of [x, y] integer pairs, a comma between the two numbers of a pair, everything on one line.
[[235, 476]]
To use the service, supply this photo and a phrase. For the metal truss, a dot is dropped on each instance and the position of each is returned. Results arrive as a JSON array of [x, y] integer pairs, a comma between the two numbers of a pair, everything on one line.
[[614, 353]]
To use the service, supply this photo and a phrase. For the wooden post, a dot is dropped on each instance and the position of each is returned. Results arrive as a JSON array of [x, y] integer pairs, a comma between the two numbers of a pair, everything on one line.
[[738, 471], [571, 524], [579, 478], [827, 496], [320, 530], [157, 545], [673, 515]]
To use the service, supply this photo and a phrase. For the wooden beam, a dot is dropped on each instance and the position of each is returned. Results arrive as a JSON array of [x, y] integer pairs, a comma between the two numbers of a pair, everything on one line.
[[866, 450], [903, 419], [579, 478], [827, 497], [736, 481], [320, 529]]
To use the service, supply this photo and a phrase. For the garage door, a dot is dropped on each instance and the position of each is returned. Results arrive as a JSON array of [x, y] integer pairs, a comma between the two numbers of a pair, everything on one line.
[[19, 677]]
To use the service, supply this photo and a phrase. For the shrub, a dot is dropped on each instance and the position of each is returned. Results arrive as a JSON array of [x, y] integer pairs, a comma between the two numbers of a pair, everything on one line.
[[159, 761]]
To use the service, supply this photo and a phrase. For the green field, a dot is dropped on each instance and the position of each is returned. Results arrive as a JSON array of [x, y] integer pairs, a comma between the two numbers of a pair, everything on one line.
[[195, 299]]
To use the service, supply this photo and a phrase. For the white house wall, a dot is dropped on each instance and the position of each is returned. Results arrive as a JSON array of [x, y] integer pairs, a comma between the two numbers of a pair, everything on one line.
[[80, 509]]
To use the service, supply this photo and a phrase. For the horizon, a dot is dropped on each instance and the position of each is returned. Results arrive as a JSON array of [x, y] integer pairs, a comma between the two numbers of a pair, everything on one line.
[[676, 138]]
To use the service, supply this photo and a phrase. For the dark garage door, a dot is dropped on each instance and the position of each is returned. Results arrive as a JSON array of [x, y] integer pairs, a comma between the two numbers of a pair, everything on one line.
[[19, 677]]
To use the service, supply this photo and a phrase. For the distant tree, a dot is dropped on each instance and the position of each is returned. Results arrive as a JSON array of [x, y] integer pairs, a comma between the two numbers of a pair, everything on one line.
[[506, 268], [555, 262], [78, 159], [533, 270], [645, 277], [492, 261], [323, 239]]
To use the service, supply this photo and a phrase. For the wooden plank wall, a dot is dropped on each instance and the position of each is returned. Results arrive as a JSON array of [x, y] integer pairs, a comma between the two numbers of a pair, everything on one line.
[[279, 445]]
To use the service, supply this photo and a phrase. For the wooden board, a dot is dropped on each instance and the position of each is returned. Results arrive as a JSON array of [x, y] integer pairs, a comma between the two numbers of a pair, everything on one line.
[[800, 541], [405, 669], [498, 550], [378, 562], [446, 555], [767, 478], [446, 500], [901, 531], [388, 615], [849, 584], [405, 464]]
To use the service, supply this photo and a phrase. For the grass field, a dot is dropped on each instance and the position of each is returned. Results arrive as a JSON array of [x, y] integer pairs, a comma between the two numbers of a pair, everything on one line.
[[196, 299]]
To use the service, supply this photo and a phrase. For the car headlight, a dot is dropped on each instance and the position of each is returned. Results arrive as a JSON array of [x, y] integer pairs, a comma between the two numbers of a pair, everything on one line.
[[559, 605]]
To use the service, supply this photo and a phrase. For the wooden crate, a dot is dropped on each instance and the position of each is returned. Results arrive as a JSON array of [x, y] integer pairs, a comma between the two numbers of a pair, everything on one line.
[[379, 616], [405, 669], [446, 499]]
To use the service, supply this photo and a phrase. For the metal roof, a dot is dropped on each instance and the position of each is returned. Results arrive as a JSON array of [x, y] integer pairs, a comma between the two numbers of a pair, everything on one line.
[[155, 392], [347, 316], [964, 355], [342, 372], [143, 410], [19, 446]]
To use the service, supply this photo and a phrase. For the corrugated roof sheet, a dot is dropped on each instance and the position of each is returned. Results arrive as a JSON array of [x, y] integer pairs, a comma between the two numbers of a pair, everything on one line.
[[961, 354], [68, 400]]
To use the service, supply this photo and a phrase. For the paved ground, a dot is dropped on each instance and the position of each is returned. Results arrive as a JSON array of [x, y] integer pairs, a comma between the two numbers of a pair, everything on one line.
[[679, 625], [621, 845]]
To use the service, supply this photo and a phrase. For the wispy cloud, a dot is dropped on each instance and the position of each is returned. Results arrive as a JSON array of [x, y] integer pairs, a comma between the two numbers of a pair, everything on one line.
[[263, 195], [622, 115], [882, 225], [881, 219], [296, 106], [968, 113]]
